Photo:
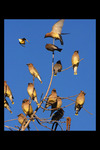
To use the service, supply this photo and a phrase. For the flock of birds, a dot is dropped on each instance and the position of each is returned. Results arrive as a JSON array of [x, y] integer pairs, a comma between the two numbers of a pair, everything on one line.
[[53, 99]]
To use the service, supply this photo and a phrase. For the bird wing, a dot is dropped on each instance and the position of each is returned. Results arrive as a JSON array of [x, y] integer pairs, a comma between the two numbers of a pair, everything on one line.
[[57, 27]]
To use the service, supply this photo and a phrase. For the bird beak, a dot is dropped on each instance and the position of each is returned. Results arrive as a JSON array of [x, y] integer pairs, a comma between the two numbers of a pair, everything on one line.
[[27, 64]]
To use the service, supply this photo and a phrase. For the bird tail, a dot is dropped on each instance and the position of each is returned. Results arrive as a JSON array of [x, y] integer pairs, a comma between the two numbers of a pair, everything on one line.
[[59, 49], [35, 99], [75, 70], [11, 98], [64, 33], [61, 41], [76, 112], [39, 79], [9, 110], [27, 40]]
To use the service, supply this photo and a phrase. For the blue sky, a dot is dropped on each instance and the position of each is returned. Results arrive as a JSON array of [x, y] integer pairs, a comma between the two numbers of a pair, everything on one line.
[[82, 37]]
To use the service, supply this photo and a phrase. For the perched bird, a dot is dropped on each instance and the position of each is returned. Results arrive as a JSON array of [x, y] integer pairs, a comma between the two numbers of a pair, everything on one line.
[[32, 92], [56, 31], [52, 48], [58, 115], [23, 120], [27, 108], [79, 102], [75, 61], [22, 41], [51, 99], [57, 104], [33, 71], [57, 67], [7, 92], [6, 105]]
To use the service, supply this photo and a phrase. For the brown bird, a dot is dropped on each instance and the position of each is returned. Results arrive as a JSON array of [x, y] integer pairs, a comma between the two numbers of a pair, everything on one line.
[[6, 105], [32, 92], [56, 31], [23, 120], [75, 61], [27, 108], [56, 105], [79, 102], [7, 92], [33, 71], [68, 123], [57, 67], [51, 99], [22, 41], [52, 48]]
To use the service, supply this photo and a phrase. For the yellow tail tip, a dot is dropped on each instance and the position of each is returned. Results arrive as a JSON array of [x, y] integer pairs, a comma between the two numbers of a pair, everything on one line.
[[76, 114], [33, 120], [54, 74], [41, 82], [11, 112], [75, 73], [12, 102], [38, 104]]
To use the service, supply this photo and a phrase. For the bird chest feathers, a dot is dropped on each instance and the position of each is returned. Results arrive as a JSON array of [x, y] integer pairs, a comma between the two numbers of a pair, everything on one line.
[[55, 35], [75, 61]]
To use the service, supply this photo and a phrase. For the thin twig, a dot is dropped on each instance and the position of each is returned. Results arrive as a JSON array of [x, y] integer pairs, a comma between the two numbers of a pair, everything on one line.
[[87, 111], [11, 127], [58, 107], [11, 120], [71, 66]]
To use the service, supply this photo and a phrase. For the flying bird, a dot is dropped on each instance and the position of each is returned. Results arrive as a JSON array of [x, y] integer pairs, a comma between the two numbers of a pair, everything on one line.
[[57, 104], [7, 92], [52, 48], [51, 99], [57, 67], [22, 41], [32, 92], [6, 105], [33, 71], [56, 31], [27, 108], [79, 102], [75, 61], [23, 120]]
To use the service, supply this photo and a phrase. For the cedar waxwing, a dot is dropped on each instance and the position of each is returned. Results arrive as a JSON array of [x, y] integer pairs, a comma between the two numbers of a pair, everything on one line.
[[33, 71], [57, 104], [6, 105], [79, 102], [52, 48], [58, 115], [27, 108], [56, 31], [32, 92], [51, 99], [23, 120], [22, 41], [75, 61], [57, 67], [7, 92]]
